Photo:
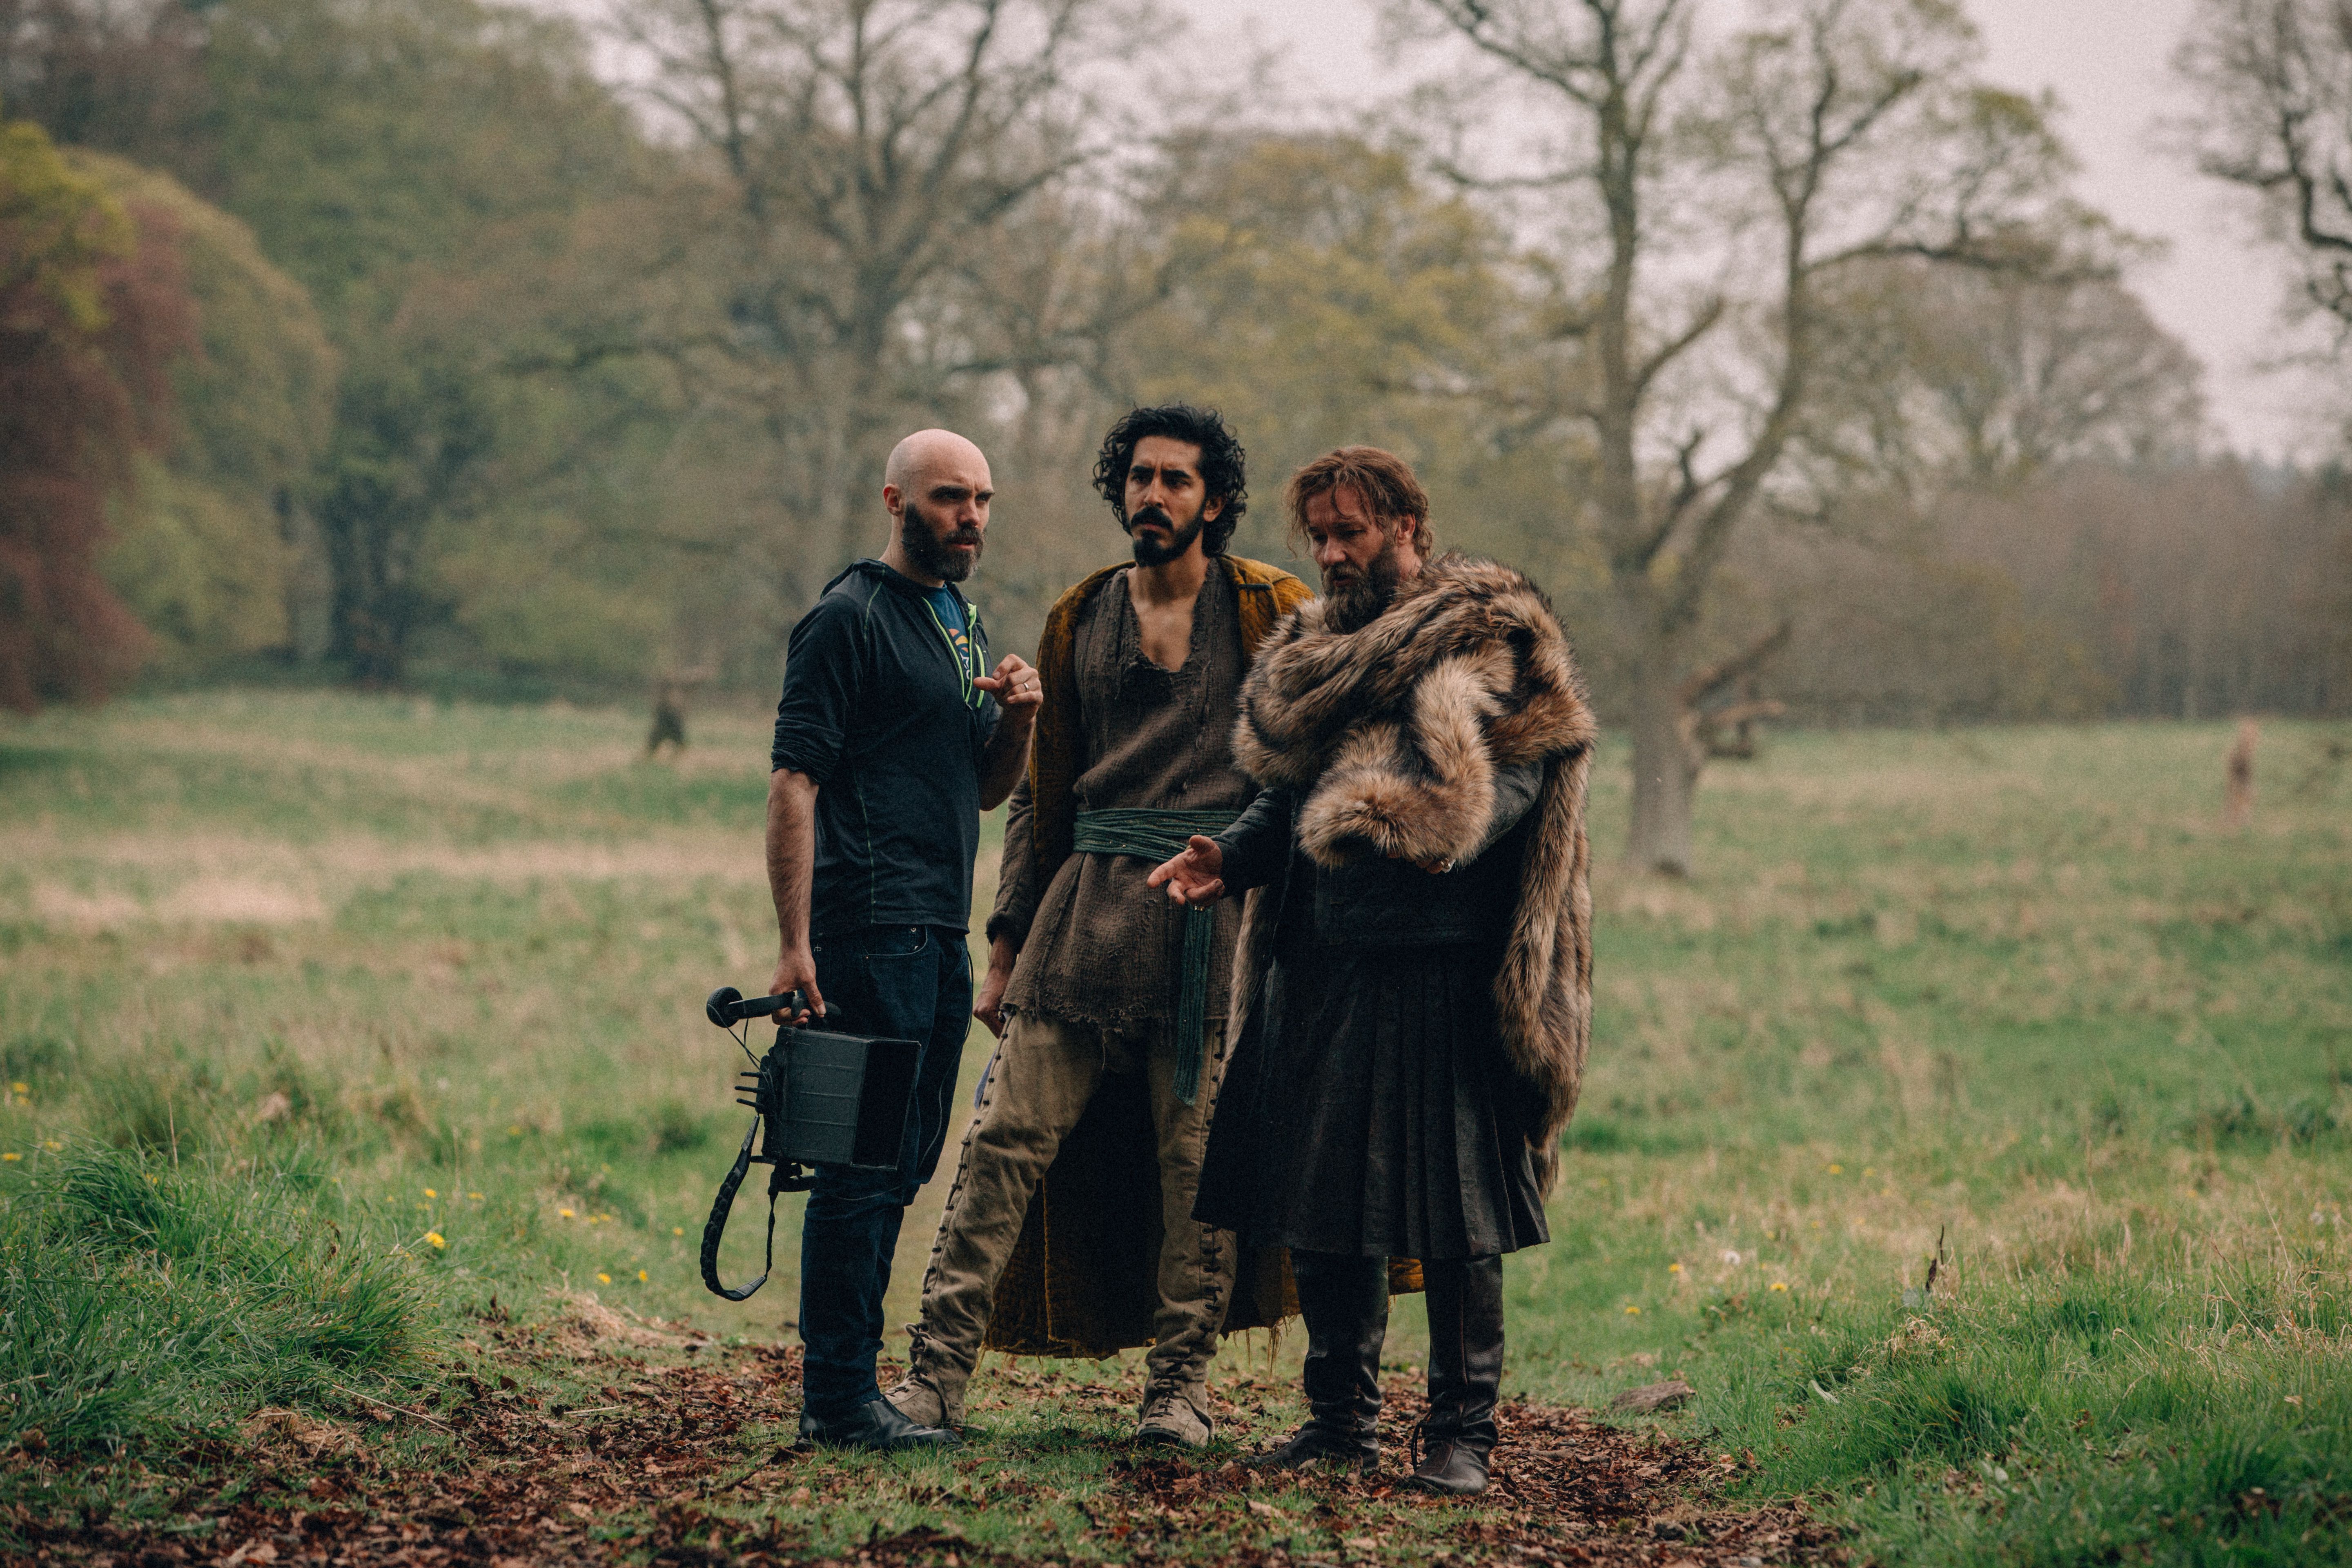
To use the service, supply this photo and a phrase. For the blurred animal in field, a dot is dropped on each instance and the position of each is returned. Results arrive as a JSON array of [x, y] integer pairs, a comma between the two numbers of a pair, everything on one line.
[[670, 693], [1727, 731], [2238, 794]]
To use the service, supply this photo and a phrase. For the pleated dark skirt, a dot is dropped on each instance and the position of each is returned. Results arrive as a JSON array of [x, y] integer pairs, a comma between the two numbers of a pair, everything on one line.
[[1368, 1111]]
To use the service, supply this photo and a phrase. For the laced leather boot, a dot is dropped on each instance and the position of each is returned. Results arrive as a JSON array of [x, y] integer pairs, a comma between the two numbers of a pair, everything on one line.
[[931, 1391], [1466, 1369], [1345, 1301]]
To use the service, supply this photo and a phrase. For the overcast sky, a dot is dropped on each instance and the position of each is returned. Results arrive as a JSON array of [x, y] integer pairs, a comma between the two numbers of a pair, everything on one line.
[[2109, 62]]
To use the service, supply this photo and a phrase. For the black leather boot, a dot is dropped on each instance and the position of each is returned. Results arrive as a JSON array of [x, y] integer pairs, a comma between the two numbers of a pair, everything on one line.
[[1466, 1369], [876, 1423], [1345, 1301]]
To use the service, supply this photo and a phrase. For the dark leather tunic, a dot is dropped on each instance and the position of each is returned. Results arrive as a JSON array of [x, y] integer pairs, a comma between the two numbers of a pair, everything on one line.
[[1367, 1108]]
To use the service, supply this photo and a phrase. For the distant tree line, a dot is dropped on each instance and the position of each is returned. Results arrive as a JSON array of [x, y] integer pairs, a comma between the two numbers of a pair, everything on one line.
[[386, 336]]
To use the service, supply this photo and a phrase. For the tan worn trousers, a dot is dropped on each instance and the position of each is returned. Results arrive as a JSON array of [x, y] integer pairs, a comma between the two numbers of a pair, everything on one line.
[[1046, 1071]]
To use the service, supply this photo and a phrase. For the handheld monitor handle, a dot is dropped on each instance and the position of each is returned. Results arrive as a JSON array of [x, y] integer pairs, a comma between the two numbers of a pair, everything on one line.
[[728, 1007]]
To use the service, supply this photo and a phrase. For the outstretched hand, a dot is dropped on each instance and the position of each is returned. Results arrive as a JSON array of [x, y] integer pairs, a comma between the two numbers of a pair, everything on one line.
[[1015, 686], [1195, 876]]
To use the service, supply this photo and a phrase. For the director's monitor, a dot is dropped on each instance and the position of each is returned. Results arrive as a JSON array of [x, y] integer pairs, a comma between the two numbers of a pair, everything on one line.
[[826, 1097]]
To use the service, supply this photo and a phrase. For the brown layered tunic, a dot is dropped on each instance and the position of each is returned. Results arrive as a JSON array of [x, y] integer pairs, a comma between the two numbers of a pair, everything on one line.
[[1101, 947]]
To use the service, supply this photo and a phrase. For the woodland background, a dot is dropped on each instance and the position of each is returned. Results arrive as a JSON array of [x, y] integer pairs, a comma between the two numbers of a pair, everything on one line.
[[477, 349], [1966, 1125]]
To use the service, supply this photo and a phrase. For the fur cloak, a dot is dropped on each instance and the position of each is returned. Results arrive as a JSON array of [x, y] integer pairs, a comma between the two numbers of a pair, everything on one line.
[[1393, 734]]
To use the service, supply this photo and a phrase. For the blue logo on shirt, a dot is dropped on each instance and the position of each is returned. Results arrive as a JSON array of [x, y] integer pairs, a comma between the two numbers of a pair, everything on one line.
[[948, 615]]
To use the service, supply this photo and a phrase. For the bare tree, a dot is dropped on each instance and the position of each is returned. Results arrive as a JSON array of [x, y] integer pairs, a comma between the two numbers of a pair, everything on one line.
[[2276, 78], [869, 148], [1933, 378], [1836, 133]]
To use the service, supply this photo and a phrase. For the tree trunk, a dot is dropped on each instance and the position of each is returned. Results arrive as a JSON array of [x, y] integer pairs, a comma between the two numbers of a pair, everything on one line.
[[1665, 775]]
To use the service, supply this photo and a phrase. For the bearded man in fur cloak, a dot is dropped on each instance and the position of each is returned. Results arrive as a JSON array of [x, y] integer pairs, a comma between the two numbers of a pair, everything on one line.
[[1413, 986]]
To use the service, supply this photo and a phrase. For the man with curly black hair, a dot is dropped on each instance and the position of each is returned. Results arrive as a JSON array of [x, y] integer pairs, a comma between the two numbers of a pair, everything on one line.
[[1221, 473], [1069, 1230]]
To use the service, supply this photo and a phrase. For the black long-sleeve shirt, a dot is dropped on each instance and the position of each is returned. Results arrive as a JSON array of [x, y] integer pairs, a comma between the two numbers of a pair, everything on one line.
[[878, 707]]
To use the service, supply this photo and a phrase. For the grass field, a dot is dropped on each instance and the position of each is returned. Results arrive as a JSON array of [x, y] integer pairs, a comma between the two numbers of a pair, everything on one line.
[[329, 1020]]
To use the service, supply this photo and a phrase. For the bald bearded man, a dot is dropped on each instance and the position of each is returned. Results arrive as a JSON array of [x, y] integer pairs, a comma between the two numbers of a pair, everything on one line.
[[892, 736]]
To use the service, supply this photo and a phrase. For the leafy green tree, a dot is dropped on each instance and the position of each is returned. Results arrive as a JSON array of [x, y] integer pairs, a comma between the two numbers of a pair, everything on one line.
[[400, 472], [1936, 377], [209, 539], [93, 309], [375, 148], [118, 75], [381, 146], [364, 138]]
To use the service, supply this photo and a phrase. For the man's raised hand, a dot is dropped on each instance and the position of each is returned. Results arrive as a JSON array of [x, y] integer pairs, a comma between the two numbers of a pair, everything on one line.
[[1193, 877], [1015, 686]]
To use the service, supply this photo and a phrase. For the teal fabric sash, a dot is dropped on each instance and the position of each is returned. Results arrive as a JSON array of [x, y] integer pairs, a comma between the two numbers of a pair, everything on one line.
[[1157, 836]]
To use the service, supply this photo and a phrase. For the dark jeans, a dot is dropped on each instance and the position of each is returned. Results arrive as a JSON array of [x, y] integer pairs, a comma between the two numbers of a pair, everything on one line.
[[909, 982]]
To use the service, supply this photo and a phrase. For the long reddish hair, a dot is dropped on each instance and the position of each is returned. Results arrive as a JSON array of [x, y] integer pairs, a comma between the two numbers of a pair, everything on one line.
[[1381, 479]]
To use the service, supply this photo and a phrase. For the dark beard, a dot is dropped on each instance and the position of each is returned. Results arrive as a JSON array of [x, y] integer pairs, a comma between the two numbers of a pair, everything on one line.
[[1358, 603], [929, 554], [1149, 553]]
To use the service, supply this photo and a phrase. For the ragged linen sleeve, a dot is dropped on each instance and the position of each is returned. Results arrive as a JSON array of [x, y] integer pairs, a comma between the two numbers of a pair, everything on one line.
[[1018, 884]]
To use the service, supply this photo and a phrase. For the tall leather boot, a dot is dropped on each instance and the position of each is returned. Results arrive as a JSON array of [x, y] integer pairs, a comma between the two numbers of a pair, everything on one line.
[[1466, 1369], [1345, 1301]]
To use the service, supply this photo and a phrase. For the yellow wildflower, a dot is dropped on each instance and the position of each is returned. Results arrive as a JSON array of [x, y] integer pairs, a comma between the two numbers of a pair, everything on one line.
[[1837, 1170], [431, 1193], [1633, 1312], [475, 1196], [20, 1089], [1673, 1269], [1780, 1285], [603, 1279], [11, 1155], [677, 1230], [642, 1276], [563, 1214], [436, 1239]]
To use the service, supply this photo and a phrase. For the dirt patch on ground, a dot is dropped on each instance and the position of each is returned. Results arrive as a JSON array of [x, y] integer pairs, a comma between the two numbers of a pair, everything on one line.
[[1564, 1489], [659, 1462]]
